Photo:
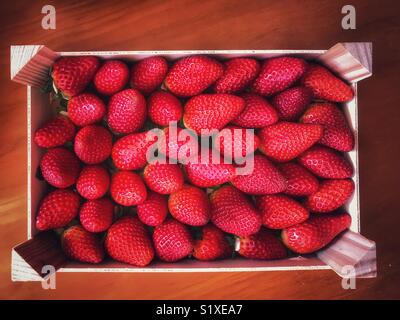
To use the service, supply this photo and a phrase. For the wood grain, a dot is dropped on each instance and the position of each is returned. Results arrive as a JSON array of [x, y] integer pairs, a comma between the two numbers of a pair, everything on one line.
[[169, 25]]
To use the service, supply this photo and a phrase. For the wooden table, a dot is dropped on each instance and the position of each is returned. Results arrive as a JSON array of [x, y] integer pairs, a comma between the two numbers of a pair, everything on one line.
[[150, 25]]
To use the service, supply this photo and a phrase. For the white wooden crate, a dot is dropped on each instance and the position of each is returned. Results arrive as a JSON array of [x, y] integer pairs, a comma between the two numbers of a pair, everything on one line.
[[29, 66]]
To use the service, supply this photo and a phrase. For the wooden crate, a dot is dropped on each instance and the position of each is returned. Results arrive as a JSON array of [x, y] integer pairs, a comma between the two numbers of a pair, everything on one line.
[[30, 65]]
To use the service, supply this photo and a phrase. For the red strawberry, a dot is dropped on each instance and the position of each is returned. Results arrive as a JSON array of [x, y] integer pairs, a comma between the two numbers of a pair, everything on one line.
[[71, 75], [257, 113], [97, 215], [112, 77], [129, 152], [337, 133], [233, 212], [93, 144], [211, 111], [239, 72], [292, 102], [55, 132], [127, 111], [277, 74], [81, 245], [164, 178], [127, 188], [265, 178], [233, 142], [128, 241], [315, 233], [262, 245], [326, 163], [163, 108], [181, 144], [153, 210], [285, 141], [172, 241], [206, 173], [300, 181], [212, 245], [190, 205], [60, 167], [325, 85], [148, 74], [190, 76], [85, 109], [280, 211], [93, 182], [331, 195], [57, 209]]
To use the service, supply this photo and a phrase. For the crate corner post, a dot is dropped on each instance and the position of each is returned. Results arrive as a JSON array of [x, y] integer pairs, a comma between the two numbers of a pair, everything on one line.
[[351, 255], [29, 257], [21, 270], [30, 64], [351, 60]]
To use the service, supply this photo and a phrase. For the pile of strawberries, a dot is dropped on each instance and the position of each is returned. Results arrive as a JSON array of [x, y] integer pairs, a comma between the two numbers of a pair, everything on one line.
[[108, 200]]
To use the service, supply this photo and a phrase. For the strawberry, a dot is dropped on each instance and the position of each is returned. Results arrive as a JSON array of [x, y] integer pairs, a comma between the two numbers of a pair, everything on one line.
[[204, 172], [126, 111], [285, 141], [292, 102], [93, 144], [325, 85], [85, 109], [331, 195], [127, 188], [97, 215], [60, 167], [337, 133], [190, 76], [81, 245], [280, 211], [265, 178], [300, 181], [164, 178], [54, 133], [153, 210], [57, 209], [233, 212], [257, 113], [71, 75], [129, 152], [163, 108], [172, 241], [238, 73], [111, 77], [326, 163], [148, 74], [211, 111], [128, 241], [277, 74], [315, 233], [262, 245], [232, 142], [181, 145], [93, 182], [212, 245], [190, 205]]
